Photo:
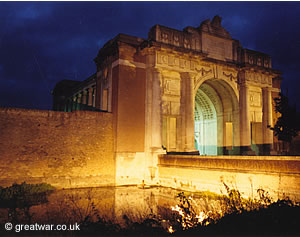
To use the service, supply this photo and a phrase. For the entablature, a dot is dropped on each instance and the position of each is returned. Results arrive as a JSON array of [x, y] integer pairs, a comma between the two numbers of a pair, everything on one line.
[[257, 77]]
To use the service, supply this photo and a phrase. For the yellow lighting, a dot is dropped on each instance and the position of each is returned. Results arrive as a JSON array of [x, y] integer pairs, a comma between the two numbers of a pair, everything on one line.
[[170, 229]]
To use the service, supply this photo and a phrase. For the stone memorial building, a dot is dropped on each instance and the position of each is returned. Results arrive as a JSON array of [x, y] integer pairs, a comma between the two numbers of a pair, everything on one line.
[[184, 91], [195, 91]]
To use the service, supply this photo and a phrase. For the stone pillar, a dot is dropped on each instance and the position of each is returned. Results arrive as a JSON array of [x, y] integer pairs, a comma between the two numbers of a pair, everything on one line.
[[90, 99], [78, 101], [70, 104], [84, 97], [74, 103], [245, 132], [189, 112], [267, 120], [94, 96], [156, 115]]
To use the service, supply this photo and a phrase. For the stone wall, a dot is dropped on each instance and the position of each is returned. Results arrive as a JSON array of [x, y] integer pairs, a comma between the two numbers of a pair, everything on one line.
[[278, 175], [64, 149]]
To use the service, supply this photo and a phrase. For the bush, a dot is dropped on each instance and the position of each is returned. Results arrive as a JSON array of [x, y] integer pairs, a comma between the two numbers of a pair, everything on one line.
[[17, 190], [20, 195], [241, 217]]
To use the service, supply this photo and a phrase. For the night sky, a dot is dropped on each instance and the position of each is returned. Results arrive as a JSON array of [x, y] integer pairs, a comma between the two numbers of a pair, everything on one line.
[[42, 43]]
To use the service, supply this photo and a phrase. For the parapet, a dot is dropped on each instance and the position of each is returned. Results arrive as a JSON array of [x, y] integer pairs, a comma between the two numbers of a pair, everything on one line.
[[211, 39]]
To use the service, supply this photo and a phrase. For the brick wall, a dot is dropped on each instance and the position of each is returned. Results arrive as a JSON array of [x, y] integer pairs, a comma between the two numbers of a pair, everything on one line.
[[63, 149]]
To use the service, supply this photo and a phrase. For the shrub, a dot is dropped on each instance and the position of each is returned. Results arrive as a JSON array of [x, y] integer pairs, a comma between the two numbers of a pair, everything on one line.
[[20, 195]]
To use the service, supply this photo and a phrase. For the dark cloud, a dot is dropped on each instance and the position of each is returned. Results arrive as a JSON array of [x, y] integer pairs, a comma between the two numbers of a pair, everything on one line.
[[44, 42]]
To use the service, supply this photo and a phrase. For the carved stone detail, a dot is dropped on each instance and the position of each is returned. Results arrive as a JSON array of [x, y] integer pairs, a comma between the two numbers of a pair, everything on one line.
[[170, 107], [164, 37], [250, 59], [186, 43], [212, 70], [259, 61], [230, 75], [266, 63], [256, 58], [171, 86], [255, 98], [176, 40], [166, 107], [175, 108], [204, 72], [258, 78]]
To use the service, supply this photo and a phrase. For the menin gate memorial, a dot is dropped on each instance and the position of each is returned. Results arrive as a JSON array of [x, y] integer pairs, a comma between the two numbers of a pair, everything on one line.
[[196, 91]]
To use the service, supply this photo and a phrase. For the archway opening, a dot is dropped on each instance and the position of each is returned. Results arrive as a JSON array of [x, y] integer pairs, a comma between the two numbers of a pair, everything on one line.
[[216, 118], [205, 124]]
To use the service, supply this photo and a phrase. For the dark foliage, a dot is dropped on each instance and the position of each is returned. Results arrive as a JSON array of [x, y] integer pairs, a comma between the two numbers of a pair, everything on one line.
[[24, 195], [288, 124], [278, 219]]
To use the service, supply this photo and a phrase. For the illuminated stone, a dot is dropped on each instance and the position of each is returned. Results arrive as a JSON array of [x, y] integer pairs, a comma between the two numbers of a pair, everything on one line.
[[191, 91]]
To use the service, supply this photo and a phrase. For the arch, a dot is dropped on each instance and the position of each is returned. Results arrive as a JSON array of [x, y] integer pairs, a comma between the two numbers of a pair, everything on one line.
[[216, 118], [206, 139], [199, 80]]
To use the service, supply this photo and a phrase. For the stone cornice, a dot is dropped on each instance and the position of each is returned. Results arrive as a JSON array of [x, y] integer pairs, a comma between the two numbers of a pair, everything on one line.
[[247, 67], [128, 63]]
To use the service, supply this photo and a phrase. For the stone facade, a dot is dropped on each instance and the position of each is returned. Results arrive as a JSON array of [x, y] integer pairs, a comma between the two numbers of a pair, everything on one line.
[[196, 91]]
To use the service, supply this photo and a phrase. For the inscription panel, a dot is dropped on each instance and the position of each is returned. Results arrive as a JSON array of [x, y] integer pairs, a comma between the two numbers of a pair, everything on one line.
[[216, 47]]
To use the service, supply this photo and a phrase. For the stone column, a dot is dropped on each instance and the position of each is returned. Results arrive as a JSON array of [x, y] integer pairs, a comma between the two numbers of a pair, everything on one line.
[[78, 101], [74, 103], [245, 132], [94, 96], [267, 119], [189, 112], [156, 115], [90, 99], [69, 105], [84, 97]]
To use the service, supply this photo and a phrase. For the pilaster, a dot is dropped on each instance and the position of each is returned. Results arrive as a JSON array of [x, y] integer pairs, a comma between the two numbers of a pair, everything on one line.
[[245, 129], [189, 112], [156, 115], [267, 119]]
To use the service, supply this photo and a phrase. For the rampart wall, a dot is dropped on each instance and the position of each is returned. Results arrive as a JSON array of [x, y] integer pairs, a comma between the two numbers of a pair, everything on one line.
[[75, 149], [64, 149], [278, 175]]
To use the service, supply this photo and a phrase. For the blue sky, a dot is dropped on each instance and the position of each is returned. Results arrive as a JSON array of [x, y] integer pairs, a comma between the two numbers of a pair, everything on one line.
[[42, 43]]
